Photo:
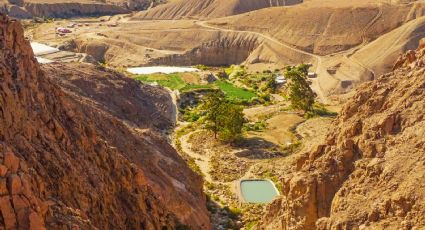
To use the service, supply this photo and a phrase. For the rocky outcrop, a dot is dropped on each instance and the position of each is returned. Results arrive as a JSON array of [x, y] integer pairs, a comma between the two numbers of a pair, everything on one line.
[[227, 50], [68, 9], [209, 8], [138, 4], [368, 173], [75, 156], [72, 9], [213, 49]]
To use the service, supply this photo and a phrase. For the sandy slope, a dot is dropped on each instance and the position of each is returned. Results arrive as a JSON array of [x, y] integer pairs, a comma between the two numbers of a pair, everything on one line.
[[71, 8], [380, 54], [327, 28], [209, 8]]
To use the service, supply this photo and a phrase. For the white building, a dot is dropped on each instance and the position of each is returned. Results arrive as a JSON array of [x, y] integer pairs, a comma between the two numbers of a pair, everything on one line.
[[280, 79]]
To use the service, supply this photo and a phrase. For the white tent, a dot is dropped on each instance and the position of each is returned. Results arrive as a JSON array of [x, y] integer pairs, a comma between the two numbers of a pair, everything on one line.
[[41, 49], [43, 60]]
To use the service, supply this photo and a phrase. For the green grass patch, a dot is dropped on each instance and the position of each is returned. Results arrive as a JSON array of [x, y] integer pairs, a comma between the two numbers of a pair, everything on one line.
[[319, 110], [190, 87], [175, 82], [233, 92], [172, 81], [251, 224]]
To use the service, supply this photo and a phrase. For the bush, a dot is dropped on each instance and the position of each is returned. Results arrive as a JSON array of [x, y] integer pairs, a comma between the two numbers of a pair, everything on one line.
[[265, 96], [201, 67], [319, 110], [257, 126]]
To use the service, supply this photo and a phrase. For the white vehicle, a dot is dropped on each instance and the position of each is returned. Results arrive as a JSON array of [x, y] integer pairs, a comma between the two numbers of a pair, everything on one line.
[[312, 75]]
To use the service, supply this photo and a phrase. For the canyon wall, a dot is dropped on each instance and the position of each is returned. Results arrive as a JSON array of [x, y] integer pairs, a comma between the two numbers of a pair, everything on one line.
[[67, 9], [227, 50], [71, 9], [209, 8], [80, 148], [209, 48]]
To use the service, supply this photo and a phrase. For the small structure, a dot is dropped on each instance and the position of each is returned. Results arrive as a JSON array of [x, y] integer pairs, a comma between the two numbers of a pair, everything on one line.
[[63, 30], [331, 70], [71, 25], [208, 78], [312, 75], [113, 24], [346, 83], [280, 79]]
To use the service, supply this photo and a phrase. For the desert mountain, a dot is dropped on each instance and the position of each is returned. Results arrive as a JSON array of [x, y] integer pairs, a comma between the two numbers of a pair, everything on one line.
[[369, 173], [326, 28], [68, 8], [346, 43], [180, 9], [76, 154]]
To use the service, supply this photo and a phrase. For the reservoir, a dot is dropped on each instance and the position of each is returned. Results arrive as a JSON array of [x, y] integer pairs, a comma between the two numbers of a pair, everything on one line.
[[258, 191]]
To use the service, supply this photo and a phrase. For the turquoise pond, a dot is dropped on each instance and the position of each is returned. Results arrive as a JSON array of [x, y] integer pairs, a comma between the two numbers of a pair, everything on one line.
[[258, 191]]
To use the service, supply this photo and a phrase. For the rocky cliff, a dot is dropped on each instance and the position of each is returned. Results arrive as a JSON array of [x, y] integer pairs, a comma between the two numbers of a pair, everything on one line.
[[226, 50], [67, 9], [208, 48], [369, 173], [79, 149], [209, 8]]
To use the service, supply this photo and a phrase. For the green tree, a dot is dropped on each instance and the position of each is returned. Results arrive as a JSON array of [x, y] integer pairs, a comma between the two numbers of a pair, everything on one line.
[[212, 108], [271, 84], [231, 121], [223, 117], [300, 94]]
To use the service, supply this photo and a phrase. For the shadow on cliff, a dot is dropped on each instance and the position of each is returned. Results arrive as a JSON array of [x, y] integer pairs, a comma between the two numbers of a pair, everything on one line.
[[223, 217]]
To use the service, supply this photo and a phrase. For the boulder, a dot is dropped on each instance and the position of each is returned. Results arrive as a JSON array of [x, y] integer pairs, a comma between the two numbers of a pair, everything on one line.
[[11, 162], [14, 184], [7, 212]]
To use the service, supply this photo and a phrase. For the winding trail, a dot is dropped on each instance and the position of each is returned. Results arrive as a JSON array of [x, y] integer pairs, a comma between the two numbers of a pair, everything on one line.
[[320, 69], [174, 96], [319, 63], [203, 161], [266, 37]]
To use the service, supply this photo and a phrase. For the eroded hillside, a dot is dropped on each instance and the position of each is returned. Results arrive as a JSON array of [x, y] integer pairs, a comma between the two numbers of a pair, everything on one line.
[[328, 27], [75, 153], [209, 9], [67, 9], [369, 172]]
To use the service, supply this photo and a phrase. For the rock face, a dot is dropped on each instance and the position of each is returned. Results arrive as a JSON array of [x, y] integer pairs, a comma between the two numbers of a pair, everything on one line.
[[72, 9], [210, 48], [369, 173], [67, 9], [76, 154], [209, 8], [225, 51]]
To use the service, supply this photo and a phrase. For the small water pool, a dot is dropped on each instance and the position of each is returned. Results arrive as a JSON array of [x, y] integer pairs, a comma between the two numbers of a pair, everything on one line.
[[258, 191], [160, 69]]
